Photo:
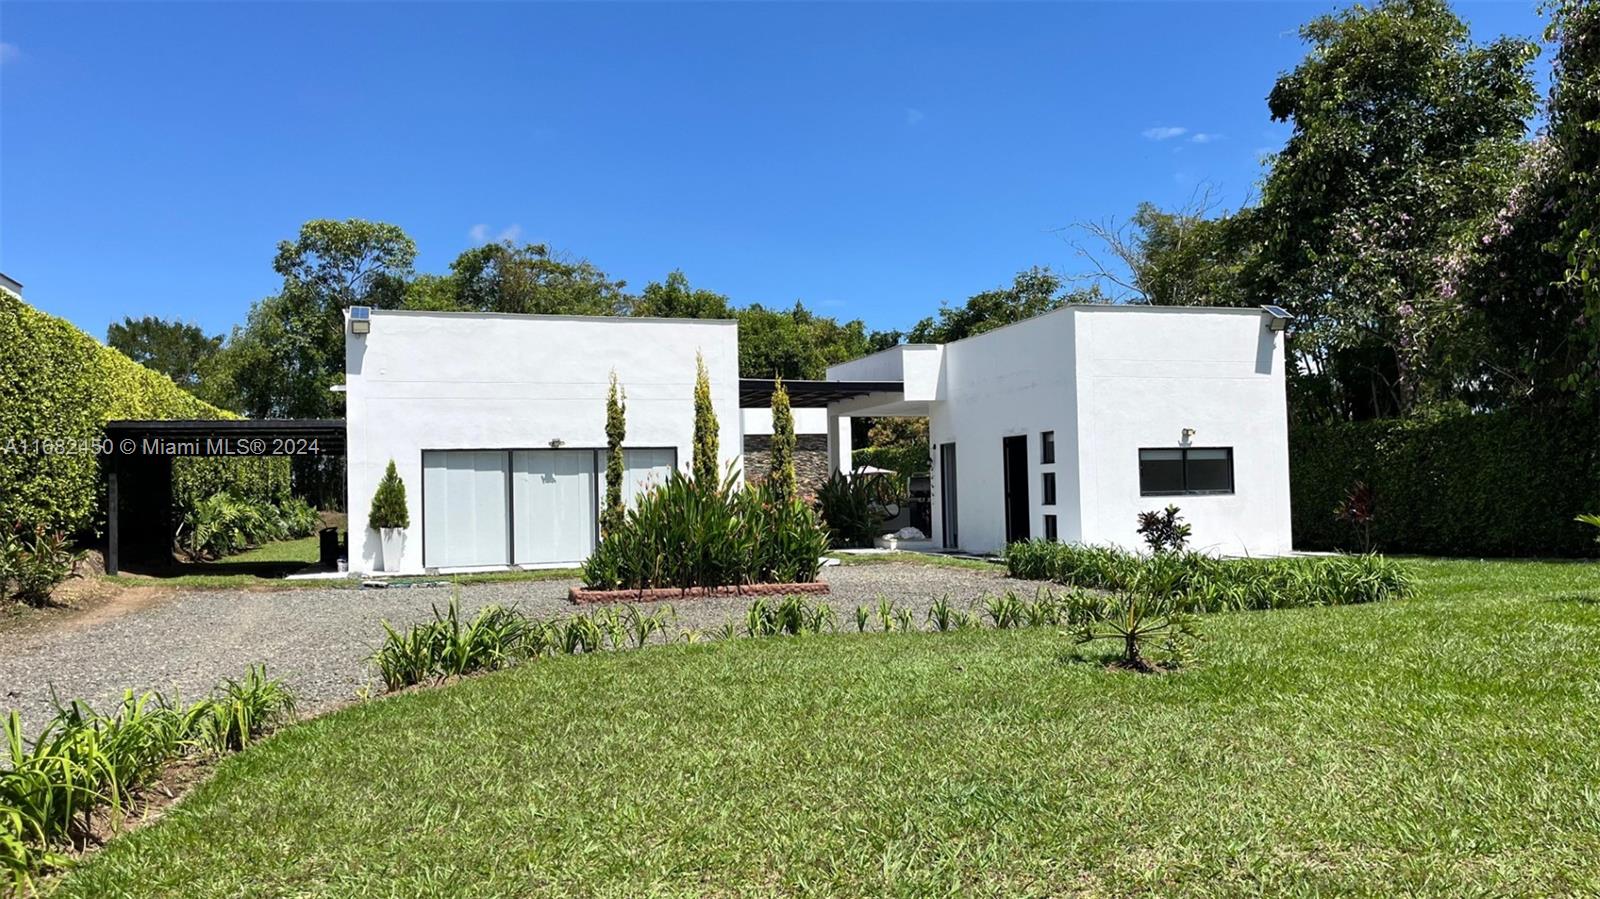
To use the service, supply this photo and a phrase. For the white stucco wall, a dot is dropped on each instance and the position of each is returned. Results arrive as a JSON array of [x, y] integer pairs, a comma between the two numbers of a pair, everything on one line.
[[1109, 380], [425, 380], [806, 420], [1145, 374], [1016, 380]]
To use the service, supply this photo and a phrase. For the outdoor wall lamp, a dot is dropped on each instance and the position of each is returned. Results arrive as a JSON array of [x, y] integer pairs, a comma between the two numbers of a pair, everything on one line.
[[1278, 318], [1188, 436], [360, 319]]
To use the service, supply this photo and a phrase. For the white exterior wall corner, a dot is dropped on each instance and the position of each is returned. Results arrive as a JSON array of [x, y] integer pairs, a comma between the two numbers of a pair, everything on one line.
[[1146, 374], [1016, 380], [421, 381]]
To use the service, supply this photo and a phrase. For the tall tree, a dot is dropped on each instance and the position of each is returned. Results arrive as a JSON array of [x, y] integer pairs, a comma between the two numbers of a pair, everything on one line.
[[704, 462], [291, 350], [504, 277], [1033, 292], [611, 517], [795, 343], [1528, 276], [781, 464], [1191, 255], [674, 298], [174, 348], [1405, 130]]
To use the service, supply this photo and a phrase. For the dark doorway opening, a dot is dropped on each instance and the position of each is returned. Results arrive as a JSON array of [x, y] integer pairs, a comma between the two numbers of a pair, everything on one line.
[[947, 495], [1015, 451]]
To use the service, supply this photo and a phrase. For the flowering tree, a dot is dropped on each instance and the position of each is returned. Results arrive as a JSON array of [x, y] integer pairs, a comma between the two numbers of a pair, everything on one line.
[[1405, 131]]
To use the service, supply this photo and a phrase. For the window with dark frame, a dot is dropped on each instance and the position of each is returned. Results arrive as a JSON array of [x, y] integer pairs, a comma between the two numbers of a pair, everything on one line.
[[1186, 471], [1047, 447], [1049, 494], [1050, 528]]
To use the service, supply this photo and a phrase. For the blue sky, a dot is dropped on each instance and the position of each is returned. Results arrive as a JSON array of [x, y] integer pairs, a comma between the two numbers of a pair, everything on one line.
[[869, 160]]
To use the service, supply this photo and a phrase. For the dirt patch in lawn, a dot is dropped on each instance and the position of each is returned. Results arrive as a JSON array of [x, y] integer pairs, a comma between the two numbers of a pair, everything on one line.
[[79, 602]]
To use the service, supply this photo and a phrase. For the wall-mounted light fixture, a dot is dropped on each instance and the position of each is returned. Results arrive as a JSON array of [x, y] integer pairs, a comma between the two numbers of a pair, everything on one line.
[[1278, 318], [557, 443], [1188, 437], [360, 319]]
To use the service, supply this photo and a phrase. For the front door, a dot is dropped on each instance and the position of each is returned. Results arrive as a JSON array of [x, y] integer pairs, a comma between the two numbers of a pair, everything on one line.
[[1015, 451], [947, 495]]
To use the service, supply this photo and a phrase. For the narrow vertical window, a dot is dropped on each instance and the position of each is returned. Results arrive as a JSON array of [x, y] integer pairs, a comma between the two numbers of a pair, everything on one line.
[[1050, 528], [1047, 447], [1049, 488]]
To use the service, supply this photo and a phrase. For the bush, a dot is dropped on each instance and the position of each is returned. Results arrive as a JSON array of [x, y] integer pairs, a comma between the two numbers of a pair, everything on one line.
[[904, 461], [1202, 583], [82, 762], [1164, 531], [389, 502], [58, 388], [223, 524], [849, 506], [33, 561], [693, 533], [1505, 483]]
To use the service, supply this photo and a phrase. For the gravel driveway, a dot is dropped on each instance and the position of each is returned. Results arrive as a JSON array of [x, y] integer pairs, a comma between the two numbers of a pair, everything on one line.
[[318, 640]]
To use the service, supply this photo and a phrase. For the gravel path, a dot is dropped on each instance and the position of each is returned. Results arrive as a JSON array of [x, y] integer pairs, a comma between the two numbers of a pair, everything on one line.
[[318, 640]]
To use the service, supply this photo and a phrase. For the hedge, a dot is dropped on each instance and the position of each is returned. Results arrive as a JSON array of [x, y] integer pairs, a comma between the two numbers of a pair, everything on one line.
[[1505, 483], [58, 388], [903, 460]]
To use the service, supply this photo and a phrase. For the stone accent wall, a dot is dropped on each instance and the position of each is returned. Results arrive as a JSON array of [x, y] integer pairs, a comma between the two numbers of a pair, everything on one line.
[[810, 459]]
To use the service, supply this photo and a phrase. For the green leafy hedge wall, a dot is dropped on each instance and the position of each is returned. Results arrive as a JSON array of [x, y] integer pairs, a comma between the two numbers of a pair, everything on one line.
[[1495, 484], [58, 387]]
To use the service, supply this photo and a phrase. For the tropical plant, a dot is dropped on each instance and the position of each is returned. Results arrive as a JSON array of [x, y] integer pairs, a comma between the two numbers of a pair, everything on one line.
[[694, 533], [1357, 509], [848, 505], [1591, 520], [942, 614], [1004, 610], [239, 711], [863, 615], [448, 647], [33, 561], [1164, 531], [1138, 620], [389, 502]]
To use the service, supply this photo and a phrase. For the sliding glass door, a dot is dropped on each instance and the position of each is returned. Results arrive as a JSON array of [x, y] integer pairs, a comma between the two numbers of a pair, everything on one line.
[[553, 495], [464, 505], [483, 508]]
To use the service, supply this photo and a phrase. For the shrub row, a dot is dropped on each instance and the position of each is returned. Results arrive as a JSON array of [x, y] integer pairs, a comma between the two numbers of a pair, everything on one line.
[[58, 388], [692, 533], [1200, 583], [83, 762], [1506, 483]]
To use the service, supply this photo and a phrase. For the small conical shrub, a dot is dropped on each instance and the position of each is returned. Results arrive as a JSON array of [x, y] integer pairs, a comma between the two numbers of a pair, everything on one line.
[[389, 502], [781, 471], [703, 465], [614, 512]]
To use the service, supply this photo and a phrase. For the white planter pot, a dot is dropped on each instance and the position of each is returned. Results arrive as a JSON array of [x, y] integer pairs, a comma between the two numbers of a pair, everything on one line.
[[393, 541]]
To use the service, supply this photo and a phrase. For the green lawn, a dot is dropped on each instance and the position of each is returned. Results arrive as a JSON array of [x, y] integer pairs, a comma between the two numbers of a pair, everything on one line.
[[1444, 746]]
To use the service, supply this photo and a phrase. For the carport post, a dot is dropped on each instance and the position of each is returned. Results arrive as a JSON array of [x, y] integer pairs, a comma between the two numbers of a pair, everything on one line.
[[113, 512]]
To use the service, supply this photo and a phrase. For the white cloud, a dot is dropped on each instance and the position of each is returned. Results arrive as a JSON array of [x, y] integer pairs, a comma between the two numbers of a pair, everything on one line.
[[913, 116], [479, 234], [1165, 132], [9, 52], [1204, 137]]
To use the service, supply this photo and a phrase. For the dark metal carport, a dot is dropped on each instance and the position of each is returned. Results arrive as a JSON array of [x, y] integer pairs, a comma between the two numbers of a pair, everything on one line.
[[139, 470]]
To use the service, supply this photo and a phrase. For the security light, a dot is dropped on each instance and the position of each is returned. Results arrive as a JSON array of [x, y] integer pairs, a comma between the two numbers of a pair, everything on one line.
[[360, 319], [1278, 317]]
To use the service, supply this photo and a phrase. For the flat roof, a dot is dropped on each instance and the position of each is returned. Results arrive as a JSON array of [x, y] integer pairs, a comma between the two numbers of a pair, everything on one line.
[[756, 393], [551, 316], [226, 437]]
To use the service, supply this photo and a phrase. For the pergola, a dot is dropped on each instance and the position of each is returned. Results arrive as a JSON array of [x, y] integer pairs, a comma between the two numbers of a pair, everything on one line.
[[139, 469]]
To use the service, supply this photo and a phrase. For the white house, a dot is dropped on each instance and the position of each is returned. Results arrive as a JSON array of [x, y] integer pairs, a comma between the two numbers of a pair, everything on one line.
[[496, 424], [1067, 425], [1064, 426]]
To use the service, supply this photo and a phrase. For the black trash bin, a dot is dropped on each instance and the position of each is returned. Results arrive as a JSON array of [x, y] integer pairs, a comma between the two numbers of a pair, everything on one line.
[[328, 549]]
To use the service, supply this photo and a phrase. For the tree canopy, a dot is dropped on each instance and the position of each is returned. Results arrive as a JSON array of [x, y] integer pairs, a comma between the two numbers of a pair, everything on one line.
[[174, 348]]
